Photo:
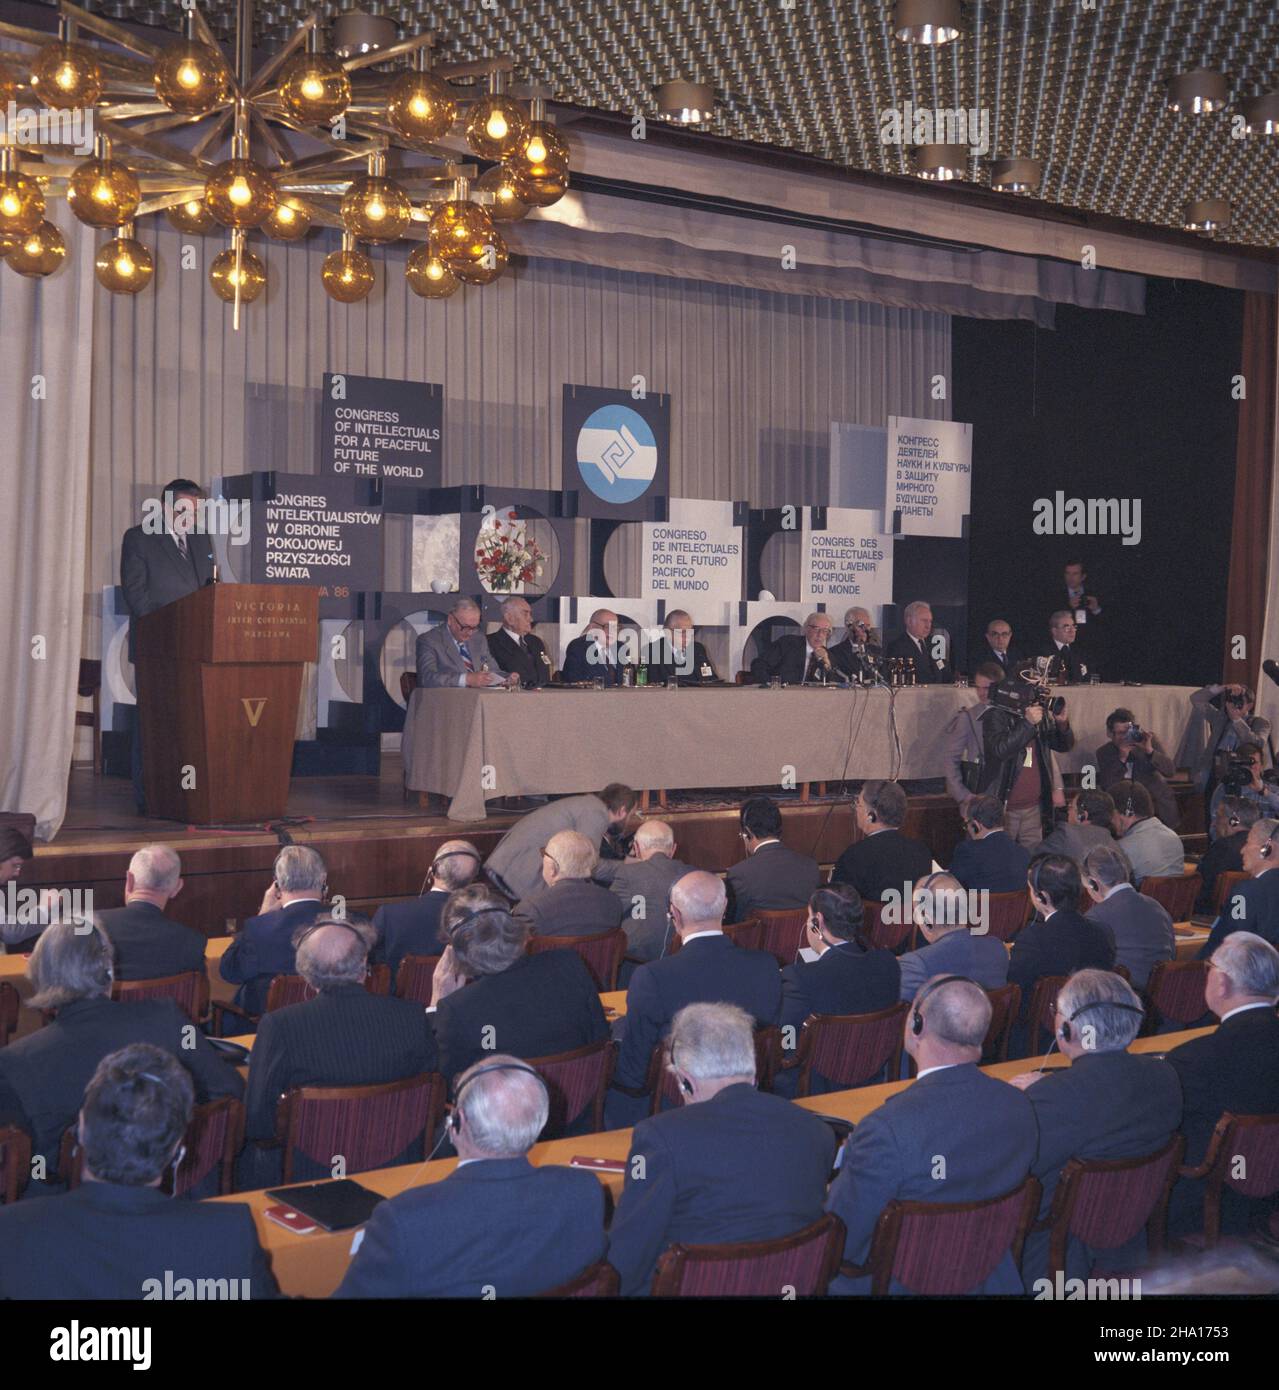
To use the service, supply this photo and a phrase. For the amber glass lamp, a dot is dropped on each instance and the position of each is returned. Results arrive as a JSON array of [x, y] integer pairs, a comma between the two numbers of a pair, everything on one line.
[[539, 166], [21, 200], [192, 78], [420, 105], [102, 192], [123, 265], [347, 274], [249, 274], [374, 208], [314, 88], [39, 252], [289, 222], [428, 276], [507, 205], [191, 216], [496, 123], [240, 193], [66, 76]]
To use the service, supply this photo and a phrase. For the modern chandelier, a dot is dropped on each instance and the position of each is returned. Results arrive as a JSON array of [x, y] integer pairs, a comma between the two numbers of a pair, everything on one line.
[[182, 130]]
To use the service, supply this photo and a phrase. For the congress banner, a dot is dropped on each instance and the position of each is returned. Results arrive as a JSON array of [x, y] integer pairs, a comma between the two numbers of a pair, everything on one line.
[[319, 531], [374, 427], [616, 452], [847, 562], [929, 475], [696, 555]]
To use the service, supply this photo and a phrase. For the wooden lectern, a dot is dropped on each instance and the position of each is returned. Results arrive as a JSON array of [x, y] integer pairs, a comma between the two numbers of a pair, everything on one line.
[[219, 673]]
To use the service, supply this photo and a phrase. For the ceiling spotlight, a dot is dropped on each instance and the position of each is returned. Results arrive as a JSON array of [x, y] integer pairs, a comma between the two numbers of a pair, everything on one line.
[[1199, 92], [1016, 175], [1262, 114], [1207, 215], [926, 21], [941, 163], [355, 32], [686, 103]]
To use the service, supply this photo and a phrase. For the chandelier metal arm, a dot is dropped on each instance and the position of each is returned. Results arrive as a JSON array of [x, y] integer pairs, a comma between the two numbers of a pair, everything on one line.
[[215, 132], [108, 29], [276, 142], [257, 84], [172, 155], [385, 55]]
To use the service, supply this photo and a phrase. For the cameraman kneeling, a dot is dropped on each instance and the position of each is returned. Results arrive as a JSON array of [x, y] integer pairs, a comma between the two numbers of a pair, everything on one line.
[[1243, 777]]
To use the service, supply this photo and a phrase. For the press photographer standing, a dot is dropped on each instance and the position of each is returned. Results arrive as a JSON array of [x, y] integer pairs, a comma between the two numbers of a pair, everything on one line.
[[1222, 720], [1134, 754]]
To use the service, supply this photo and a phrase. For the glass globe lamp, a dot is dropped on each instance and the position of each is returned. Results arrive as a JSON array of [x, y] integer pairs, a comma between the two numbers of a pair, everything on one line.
[[347, 274], [124, 266], [191, 216], [495, 126], [507, 205], [376, 209], [314, 88], [191, 78], [289, 222], [251, 275], [539, 167], [484, 263], [66, 76], [21, 203], [428, 276], [39, 252], [103, 193], [240, 193], [420, 106]]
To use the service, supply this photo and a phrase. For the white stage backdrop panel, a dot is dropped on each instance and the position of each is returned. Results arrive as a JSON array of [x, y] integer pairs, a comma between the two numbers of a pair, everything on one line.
[[697, 554], [929, 475], [850, 562]]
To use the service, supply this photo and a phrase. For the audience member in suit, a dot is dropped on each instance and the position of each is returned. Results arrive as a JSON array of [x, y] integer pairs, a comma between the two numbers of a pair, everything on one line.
[[965, 738], [570, 904], [1139, 926], [944, 913], [1121, 760], [800, 659], [989, 858], [686, 1181], [1058, 942], [643, 884], [849, 975], [1230, 1070], [1088, 826], [43, 1076], [413, 928], [515, 648], [515, 866], [858, 653], [264, 946], [496, 1226], [1253, 905], [456, 652], [1108, 1104], [528, 1005], [148, 945], [772, 876], [1236, 815], [683, 658], [15, 851], [1153, 850], [594, 656], [998, 649], [345, 1036], [707, 969], [118, 1236], [930, 653], [883, 860], [1071, 660], [984, 1129]]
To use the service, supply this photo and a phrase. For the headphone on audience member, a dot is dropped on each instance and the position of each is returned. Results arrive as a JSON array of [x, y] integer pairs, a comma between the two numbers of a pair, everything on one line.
[[439, 859], [453, 1124], [1065, 1033], [917, 1017], [1267, 849], [330, 922]]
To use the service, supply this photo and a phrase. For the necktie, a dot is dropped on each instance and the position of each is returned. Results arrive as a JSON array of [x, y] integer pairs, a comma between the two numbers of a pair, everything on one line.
[[466, 656]]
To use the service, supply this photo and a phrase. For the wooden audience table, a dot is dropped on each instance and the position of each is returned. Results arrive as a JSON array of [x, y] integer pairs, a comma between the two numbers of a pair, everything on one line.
[[312, 1266]]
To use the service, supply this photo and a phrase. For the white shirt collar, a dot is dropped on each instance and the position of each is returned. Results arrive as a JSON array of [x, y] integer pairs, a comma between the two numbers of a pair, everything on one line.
[[515, 637], [928, 1071], [711, 931], [1110, 892], [772, 840], [1243, 1009]]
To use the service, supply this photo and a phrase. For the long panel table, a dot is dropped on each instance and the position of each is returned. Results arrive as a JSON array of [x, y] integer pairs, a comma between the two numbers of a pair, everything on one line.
[[472, 744], [312, 1266]]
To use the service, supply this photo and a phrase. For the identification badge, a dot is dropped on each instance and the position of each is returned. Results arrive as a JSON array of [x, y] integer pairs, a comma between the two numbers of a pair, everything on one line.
[[546, 660], [1081, 616], [1028, 757], [705, 671]]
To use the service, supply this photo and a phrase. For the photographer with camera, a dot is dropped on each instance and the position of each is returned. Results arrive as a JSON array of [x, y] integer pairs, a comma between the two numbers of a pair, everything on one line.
[[1221, 719], [1242, 777], [1134, 754]]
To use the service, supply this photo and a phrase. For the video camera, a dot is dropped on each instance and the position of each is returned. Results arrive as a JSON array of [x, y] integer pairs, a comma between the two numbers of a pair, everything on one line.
[[1018, 694]]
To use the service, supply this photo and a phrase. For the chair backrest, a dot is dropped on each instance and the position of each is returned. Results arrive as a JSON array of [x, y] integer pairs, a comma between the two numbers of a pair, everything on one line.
[[190, 989], [782, 932], [805, 1262], [370, 1126], [599, 1280], [414, 978], [880, 934], [1226, 884], [293, 989], [1008, 913], [10, 1002], [1104, 1203], [1177, 892], [747, 934], [1005, 1005], [1175, 991], [15, 1161], [850, 1049], [408, 683], [1040, 1012], [1243, 1154], [602, 953], [577, 1082], [949, 1248]]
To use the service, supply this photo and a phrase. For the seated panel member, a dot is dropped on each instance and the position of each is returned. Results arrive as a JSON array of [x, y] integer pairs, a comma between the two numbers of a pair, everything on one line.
[[413, 928], [1090, 819], [148, 945], [955, 945], [999, 649], [860, 648], [496, 1227], [884, 859], [1141, 927], [680, 656], [643, 883], [732, 1164], [772, 876], [989, 858], [570, 904], [117, 1235], [951, 1109], [1152, 848], [1072, 662], [456, 652], [516, 649], [796, 659], [930, 653], [593, 656], [1253, 905]]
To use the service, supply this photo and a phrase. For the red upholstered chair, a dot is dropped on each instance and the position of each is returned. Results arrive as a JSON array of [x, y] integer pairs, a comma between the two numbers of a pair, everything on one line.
[[599, 1280], [1005, 1005], [1039, 1016], [287, 990], [782, 932], [746, 934], [1177, 892], [602, 953], [577, 1082], [414, 977], [805, 1262], [1008, 913], [1175, 993], [1105, 1204], [408, 684], [850, 1049], [1225, 885], [947, 1248], [664, 1089], [15, 1161], [1255, 1140], [10, 1002], [190, 989], [370, 1126], [885, 935]]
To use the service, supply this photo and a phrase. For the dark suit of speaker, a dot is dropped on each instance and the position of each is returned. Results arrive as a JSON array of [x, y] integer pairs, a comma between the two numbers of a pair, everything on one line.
[[496, 1228], [105, 1240], [571, 907], [740, 1166], [1072, 663], [929, 670], [788, 660], [43, 1076], [148, 945], [697, 671], [541, 1005], [882, 861], [409, 929], [528, 656], [853, 663], [1233, 1069], [154, 572], [1010, 662], [774, 877], [263, 949], [1105, 1105], [579, 666], [996, 863], [984, 1128]]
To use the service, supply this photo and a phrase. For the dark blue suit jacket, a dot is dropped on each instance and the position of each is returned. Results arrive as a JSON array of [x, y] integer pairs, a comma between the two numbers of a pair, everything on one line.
[[997, 863], [1254, 907], [148, 945], [983, 1128], [578, 666], [497, 1224], [108, 1241], [740, 1166], [263, 949], [409, 929]]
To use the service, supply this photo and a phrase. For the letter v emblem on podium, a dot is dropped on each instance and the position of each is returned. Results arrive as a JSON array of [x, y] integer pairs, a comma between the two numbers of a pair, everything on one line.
[[253, 709]]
